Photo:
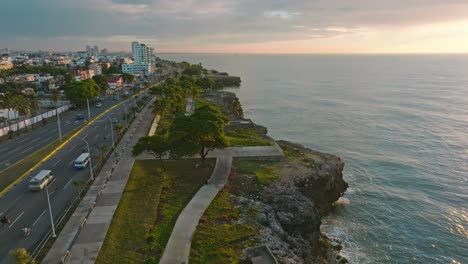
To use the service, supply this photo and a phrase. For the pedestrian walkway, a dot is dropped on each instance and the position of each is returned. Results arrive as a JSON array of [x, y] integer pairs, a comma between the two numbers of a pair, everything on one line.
[[177, 250], [178, 247], [85, 231]]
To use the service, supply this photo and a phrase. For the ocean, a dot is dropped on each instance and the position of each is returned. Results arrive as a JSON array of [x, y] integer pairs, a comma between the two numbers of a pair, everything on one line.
[[400, 122]]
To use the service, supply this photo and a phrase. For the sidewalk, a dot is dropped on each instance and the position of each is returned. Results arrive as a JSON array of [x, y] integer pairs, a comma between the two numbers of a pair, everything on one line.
[[85, 231], [177, 250], [178, 247]]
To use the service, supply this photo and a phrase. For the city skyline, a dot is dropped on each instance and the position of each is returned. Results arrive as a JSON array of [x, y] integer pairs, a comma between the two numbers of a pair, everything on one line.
[[228, 26]]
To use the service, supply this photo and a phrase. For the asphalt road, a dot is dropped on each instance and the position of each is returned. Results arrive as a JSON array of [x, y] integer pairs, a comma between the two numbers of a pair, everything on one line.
[[19, 147], [30, 209]]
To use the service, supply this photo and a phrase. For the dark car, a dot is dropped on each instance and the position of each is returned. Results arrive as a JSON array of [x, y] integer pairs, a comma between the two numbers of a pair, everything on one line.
[[79, 117]]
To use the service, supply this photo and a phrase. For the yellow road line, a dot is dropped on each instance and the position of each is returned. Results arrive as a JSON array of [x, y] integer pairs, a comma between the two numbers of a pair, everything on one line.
[[4, 191]]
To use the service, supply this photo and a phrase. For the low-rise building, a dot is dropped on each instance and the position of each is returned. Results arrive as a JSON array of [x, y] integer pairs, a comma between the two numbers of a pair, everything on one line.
[[115, 83], [96, 68], [6, 65]]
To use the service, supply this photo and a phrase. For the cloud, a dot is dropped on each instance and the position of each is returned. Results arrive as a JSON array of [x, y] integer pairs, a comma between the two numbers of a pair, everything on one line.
[[280, 14], [71, 24]]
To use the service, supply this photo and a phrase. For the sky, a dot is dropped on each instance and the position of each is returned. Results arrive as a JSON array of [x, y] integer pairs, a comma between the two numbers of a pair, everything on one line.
[[238, 26]]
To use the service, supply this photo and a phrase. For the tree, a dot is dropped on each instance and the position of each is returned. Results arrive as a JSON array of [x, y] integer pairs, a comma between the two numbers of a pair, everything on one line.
[[34, 106], [21, 104], [112, 70], [78, 92], [119, 129], [156, 145], [127, 77], [102, 152], [101, 81], [199, 133], [134, 110], [22, 256]]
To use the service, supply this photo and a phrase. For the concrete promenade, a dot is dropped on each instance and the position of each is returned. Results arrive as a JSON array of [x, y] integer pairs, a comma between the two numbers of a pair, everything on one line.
[[84, 233]]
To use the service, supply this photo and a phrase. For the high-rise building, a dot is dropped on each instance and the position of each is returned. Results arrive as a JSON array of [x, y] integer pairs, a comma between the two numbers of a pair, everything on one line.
[[88, 50], [95, 50], [104, 52], [142, 55]]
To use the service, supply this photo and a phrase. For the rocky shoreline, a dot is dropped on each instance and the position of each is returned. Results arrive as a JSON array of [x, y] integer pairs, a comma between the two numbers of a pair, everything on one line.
[[288, 211]]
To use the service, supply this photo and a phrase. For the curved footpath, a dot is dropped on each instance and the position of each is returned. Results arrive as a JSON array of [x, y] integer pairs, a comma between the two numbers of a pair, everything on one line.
[[177, 250]]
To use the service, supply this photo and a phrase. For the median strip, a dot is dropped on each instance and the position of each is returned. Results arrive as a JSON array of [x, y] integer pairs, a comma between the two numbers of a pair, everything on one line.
[[48, 156]]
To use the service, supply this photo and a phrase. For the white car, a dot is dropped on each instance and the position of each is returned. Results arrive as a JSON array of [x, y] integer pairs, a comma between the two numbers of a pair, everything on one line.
[[98, 105]]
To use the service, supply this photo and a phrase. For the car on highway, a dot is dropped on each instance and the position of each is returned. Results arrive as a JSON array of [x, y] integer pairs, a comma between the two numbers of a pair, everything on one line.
[[39, 182], [114, 121], [98, 105], [79, 117], [82, 160]]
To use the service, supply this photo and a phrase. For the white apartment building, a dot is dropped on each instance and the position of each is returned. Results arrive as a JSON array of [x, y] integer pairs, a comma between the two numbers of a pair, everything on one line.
[[142, 60]]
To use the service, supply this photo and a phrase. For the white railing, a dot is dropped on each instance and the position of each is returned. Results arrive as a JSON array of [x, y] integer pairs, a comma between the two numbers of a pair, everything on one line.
[[33, 120]]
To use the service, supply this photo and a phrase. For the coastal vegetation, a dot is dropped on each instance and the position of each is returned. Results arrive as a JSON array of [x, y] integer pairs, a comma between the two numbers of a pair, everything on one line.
[[149, 207], [246, 137], [219, 238]]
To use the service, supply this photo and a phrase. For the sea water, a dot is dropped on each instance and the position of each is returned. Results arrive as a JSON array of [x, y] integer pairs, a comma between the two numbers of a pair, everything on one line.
[[399, 122]]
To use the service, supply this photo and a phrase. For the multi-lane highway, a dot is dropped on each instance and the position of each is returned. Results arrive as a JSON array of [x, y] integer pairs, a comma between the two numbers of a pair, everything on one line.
[[30, 209], [16, 149]]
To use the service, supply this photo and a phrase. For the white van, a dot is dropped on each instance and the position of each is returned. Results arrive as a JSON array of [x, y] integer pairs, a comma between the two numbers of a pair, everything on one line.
[[40, 181], [82, 161]]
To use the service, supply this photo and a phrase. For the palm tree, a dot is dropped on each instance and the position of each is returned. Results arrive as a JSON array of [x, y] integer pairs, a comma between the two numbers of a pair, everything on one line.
[[34, 106], [22, 106], [55, 97], [102, 152], [119, 128]]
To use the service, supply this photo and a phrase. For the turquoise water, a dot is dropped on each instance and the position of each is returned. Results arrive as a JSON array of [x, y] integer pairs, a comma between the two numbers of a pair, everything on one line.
[[401, 125]]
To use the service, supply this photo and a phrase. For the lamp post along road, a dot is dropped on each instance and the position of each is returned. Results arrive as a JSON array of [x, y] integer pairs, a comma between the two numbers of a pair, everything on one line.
[[58, 122], [90, 159], [50, 212], [126, 118], [89, 112], [112, 132]]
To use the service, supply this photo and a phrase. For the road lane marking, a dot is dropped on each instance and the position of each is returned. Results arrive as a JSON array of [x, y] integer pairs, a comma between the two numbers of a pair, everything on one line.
[[43, 212], [73, 147], [47, 139], [55, 164], [69, 164], [75, 134], [36, 139], [13, 150], [67, 184], [85, 136], [16, 219], [26, 150]]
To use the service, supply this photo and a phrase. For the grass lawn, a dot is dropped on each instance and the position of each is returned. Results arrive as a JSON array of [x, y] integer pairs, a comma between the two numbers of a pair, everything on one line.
[[218, 238], [265, 172], [148, 209], [200, 102], [246, 137]]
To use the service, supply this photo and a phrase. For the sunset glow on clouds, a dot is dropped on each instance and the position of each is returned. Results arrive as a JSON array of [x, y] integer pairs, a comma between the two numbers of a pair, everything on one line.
[[262, 26]]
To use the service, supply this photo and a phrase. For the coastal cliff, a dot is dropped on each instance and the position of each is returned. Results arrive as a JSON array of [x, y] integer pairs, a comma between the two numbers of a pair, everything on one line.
[[289, 210], [284, 200]]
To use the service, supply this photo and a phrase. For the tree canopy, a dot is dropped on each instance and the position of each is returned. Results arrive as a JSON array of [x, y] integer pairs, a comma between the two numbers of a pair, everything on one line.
[[78, 92], [101, 80], [156, 145], [127, 77], [199, 133]]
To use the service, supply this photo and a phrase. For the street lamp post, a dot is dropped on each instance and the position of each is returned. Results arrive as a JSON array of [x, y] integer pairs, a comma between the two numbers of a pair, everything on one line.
[[50, 212], [90, 159], [126, 118], [89, 112], [112, 132], [58, 122]]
